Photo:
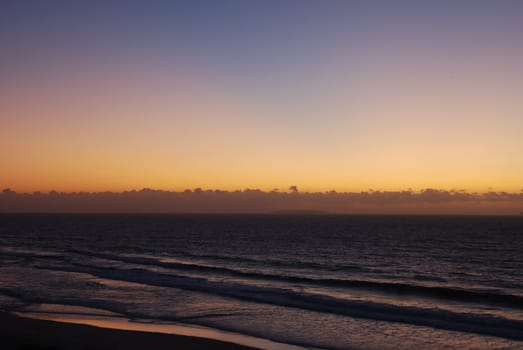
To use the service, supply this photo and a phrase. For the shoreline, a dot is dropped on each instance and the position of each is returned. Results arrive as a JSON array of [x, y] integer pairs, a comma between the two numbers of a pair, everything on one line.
[[107, 320], [20, 332]]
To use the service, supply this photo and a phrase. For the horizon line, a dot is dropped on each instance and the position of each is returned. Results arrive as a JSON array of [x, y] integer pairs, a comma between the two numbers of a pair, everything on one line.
[[291, 190]]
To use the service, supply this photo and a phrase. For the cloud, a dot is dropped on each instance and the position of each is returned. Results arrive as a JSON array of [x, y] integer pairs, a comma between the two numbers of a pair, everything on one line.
[[427, 201]]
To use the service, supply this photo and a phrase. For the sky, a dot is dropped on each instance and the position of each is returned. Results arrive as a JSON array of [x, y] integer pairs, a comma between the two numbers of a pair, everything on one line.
[[325, 95]]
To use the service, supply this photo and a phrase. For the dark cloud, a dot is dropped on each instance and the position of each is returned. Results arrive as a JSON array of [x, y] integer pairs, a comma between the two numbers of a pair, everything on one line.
[[428, 201]]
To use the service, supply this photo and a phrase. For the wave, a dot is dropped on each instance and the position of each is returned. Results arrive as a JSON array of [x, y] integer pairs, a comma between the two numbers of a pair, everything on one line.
[[491, 297], [466, 322], [440, 292], [27, 253], [303, 265], [29, 297], [123, 310]]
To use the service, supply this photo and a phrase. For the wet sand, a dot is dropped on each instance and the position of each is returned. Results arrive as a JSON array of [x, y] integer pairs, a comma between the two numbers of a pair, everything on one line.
[[31, 334]]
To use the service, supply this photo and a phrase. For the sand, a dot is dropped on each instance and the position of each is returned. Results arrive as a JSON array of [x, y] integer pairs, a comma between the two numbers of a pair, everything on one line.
[[30, 334]]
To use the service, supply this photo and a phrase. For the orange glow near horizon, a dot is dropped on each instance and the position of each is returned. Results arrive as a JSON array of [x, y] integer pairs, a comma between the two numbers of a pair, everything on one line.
[[394, 105]]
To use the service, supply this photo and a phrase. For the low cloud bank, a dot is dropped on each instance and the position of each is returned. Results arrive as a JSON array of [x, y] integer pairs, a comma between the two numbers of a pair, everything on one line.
[[428, 201]]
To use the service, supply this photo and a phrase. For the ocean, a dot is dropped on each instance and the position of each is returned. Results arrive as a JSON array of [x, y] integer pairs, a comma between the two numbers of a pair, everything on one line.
[[313, 281]]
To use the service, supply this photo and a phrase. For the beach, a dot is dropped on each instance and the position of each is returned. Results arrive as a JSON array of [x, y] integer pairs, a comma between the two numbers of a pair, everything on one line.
[[27, 333], [274, 282]]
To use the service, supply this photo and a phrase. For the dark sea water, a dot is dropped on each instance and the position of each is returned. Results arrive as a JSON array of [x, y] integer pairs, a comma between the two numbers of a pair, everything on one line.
[[332, 282]]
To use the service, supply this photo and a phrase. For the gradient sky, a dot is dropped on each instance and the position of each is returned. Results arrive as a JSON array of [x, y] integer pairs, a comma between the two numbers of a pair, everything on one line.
[[345, 95]]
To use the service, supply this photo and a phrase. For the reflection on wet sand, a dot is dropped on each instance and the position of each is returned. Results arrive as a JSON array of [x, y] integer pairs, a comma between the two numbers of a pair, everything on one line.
[[121, 323]]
